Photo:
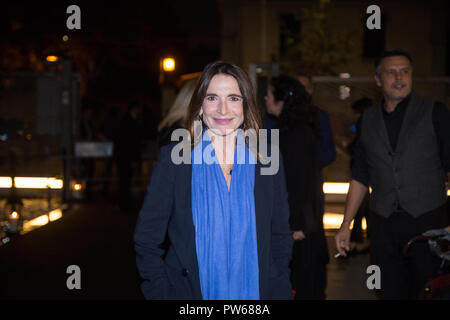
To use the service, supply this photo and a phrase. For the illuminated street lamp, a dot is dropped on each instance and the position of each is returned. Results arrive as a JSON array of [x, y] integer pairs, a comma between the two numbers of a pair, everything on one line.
[[14, 216], [168, 64], [52, 58], [166, 81]]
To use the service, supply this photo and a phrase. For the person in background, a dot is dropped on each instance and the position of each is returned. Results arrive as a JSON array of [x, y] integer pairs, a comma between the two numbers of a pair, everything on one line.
[[128, 152], [227, 222], [326, 150], [109, 130], [299, 128], [86, 132], [402, 151], [176, 116]]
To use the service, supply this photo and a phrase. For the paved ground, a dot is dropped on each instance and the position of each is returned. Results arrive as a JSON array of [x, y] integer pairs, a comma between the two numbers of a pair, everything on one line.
[[98, 238], [347, 277]]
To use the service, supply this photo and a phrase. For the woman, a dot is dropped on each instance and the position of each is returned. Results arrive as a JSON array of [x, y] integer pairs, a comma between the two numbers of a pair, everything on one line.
[[299, 127], [227, 223]]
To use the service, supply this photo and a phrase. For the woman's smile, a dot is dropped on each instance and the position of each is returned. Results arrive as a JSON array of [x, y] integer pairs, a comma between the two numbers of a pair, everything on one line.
[[223, 122]]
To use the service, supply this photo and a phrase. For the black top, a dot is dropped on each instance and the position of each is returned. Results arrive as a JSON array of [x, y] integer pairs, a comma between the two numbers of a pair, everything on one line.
[[298, 147], [393, 122]]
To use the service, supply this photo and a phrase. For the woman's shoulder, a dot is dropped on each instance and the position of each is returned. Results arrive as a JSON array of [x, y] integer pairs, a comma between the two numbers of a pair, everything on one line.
[[175, 153], [270, 162]]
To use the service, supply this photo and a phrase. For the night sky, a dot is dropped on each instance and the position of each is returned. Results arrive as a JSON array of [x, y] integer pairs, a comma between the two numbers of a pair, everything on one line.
[[118, 48]]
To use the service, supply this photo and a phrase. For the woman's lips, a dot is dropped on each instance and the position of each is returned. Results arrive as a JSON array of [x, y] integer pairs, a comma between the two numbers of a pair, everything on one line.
[[222, 121]]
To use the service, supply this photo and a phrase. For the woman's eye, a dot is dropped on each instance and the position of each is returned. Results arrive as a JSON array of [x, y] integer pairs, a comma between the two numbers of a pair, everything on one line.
[[235, 99], [211, 98]]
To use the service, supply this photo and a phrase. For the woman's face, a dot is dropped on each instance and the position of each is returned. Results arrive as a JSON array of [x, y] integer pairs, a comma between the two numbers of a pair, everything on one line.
[[223, 106], [273, 107]]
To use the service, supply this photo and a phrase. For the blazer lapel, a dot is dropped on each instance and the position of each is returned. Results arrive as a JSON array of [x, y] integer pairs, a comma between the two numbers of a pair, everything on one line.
[[261, 206], [190, 252]]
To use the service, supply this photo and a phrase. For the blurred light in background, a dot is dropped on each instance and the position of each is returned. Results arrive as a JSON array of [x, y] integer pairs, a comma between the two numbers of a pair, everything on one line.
[[55, 214], [340, 188], [65, 38], [38, 183], [168, 64], [335, 187], [42, 220], [5, 182], [14, 215], [31, 183], [52, 58], [334, 221]]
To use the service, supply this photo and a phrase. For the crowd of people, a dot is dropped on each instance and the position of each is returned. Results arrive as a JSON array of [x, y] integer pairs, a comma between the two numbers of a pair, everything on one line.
[[236, 234], [130, 130], [221, 229]]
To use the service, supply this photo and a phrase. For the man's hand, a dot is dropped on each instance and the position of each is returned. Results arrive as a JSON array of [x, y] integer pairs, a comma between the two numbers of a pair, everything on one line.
[[343, 239], [355, 195], [447, 228], [298, 235]]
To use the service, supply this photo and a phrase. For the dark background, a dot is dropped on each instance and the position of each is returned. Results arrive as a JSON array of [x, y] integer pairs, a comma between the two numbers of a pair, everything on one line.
[[118, 49]]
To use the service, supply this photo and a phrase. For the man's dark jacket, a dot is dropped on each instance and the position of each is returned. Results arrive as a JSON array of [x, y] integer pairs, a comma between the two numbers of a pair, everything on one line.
[[411, 176]]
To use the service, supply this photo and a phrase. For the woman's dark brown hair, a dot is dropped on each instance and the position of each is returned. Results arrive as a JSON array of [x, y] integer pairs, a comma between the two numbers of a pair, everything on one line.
[[252, 117]]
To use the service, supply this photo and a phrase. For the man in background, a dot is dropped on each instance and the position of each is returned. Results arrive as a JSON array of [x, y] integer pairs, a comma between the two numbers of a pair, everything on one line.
[[402, 151]]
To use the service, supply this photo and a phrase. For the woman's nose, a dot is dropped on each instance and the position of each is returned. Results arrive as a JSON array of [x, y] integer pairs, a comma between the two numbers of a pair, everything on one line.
[[223, 107]]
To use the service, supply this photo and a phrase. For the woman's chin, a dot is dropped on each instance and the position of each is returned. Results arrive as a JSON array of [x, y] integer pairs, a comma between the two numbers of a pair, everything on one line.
[[222, 131]]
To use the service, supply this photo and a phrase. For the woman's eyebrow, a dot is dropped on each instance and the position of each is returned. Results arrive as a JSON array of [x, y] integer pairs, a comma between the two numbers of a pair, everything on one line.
[[230, 95]]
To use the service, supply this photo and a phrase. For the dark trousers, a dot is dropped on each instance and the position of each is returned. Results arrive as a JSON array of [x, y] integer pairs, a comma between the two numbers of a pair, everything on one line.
[[308, 267], [404, 277], [357, 234]]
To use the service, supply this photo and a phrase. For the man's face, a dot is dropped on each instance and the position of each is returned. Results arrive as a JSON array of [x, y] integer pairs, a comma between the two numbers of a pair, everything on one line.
[[306, 83], [395, 77]]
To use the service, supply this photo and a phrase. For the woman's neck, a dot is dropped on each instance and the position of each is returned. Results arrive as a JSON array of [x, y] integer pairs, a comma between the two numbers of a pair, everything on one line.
[[224, 147]]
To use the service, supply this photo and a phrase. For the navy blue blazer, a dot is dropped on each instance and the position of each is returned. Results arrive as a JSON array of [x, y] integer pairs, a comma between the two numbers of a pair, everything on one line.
[[167, 208]]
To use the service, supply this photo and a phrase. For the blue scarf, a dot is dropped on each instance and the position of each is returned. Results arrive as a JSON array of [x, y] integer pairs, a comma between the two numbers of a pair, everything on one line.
[[225, 226]]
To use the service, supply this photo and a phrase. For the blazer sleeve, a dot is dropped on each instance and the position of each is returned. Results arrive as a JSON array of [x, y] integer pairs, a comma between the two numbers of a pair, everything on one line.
[[151, 228], [281, 238]]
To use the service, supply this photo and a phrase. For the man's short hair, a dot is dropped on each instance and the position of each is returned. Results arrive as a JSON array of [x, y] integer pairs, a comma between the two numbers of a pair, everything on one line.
[[390, 53]]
